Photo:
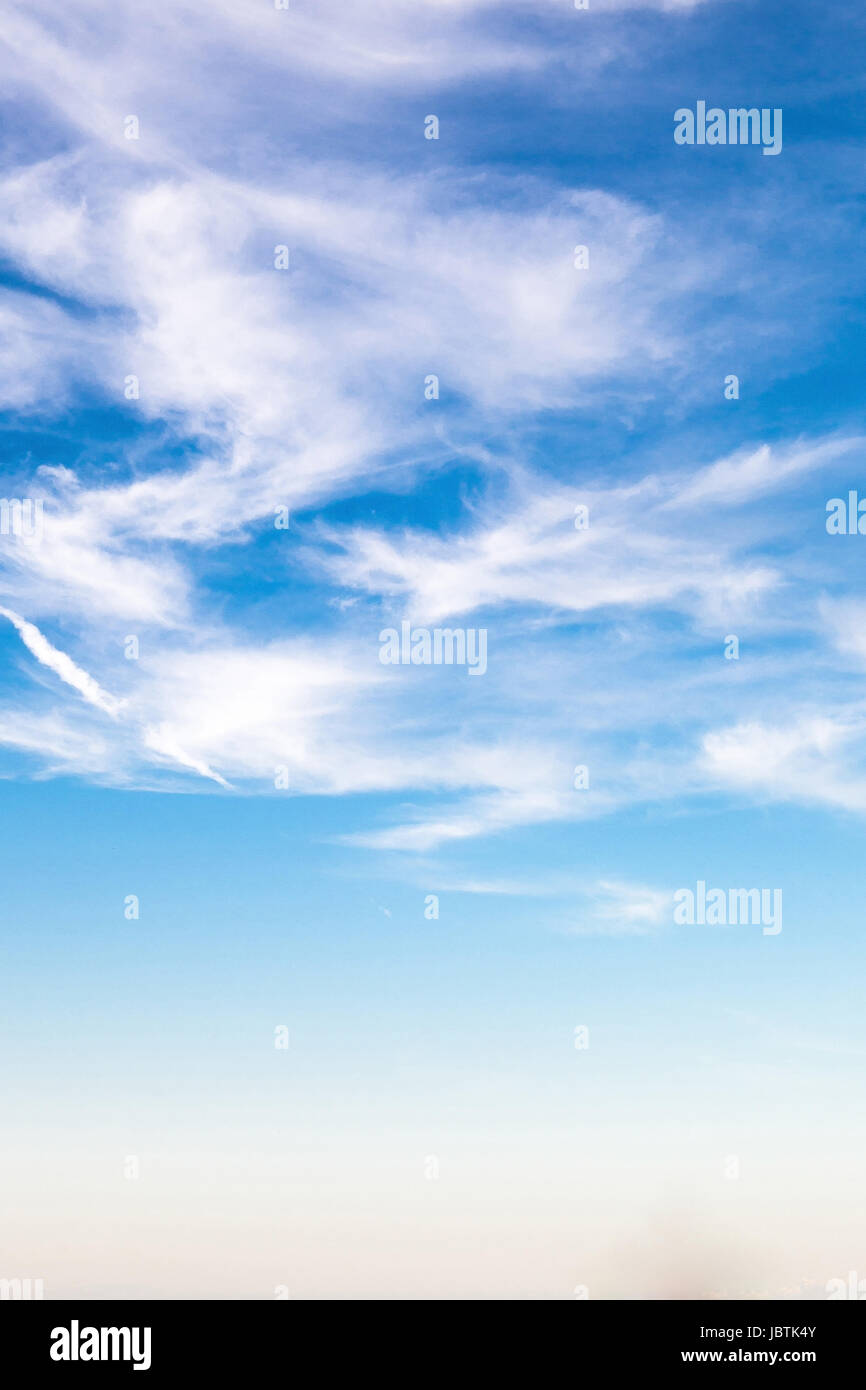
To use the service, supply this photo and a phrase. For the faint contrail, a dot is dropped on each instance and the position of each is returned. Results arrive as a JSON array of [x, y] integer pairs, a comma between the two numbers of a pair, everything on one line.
[[90, 689], [63, 665]]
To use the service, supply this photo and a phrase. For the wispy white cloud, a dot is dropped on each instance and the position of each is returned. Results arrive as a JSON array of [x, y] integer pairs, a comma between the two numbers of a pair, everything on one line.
[[391, 45], [629, 556], [154, 258], [234, 709], [624, 909], [299, 382], [752, 473], [818, 758], [604, 907], [58, 743]]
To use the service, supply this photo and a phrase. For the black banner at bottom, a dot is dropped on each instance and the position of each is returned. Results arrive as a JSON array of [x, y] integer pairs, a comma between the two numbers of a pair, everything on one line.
[[216, 1339]]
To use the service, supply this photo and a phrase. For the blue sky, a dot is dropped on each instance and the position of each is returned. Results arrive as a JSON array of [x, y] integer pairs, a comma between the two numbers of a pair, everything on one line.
[[280, 802]]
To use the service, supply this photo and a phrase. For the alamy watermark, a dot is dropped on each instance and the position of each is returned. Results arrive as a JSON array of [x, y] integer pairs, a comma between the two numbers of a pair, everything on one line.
[[77, 1343], [21, 1290], [852, 1287], [739, 125], [846, 516], [721, 907], [22, 517], [444, 646]]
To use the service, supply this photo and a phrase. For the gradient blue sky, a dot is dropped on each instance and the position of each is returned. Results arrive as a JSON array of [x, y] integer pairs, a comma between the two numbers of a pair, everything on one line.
[[259, 647]]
